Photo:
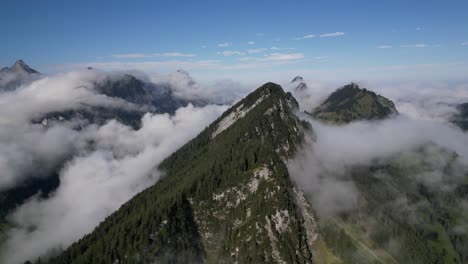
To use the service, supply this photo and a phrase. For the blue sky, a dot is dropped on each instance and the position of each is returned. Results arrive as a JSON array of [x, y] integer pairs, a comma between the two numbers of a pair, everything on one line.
[[243, 40]]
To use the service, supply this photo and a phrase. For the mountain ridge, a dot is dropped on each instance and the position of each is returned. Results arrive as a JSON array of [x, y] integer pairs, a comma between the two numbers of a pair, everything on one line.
[[228, 197], [204, 182]]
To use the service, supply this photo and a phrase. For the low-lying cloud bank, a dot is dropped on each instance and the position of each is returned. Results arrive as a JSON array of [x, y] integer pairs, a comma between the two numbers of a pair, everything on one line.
[[95, 183], [323, 167], [101, 167]]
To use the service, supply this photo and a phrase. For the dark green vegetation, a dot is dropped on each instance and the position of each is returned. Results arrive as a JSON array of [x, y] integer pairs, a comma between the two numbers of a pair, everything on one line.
[[351, 103], [226, 197], [461, 119], [11, 198]]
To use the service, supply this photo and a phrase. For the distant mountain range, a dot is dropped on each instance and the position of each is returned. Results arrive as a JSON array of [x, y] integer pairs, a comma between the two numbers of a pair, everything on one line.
[[145, 96]]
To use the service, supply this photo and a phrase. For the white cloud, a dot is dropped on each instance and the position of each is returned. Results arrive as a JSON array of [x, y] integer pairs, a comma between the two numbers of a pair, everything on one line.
[[119, 162], [384, 47], [174, 54], [251, 42], [305, 37], [130, 55], [321, 58], [283, 57], [54, 93], [228, 53], [320, 168], [121, 165], [419, 45], [151, 55], [332, 35], [224, 45], [203, 46], [274, 48], [259, 50]]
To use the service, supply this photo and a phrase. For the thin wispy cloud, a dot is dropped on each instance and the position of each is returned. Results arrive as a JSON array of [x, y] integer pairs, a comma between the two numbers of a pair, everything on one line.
[[151, 55], [224, 45], [384, 47], [228, 53], [246, 58], [251, 42], [465, 43], [283, 57], [420, 45], [251, 51], [260, 34], [174, 54], [130, 55], [204, 47], [274, 48], [321, 58], [305, 37], [332, 35]]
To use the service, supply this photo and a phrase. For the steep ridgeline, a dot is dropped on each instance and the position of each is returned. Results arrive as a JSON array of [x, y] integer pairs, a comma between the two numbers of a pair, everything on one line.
[[461, 118], [226, 197], [351, 103]]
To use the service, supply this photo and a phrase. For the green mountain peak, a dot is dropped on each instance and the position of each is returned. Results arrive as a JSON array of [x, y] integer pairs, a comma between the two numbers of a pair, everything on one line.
[[226, 197], [350, 103]]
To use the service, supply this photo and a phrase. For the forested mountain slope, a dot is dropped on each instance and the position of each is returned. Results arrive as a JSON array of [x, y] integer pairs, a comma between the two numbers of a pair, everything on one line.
[[226, 197]]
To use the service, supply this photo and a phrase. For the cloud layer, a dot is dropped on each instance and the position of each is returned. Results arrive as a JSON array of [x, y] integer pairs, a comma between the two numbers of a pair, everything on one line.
[[100, 167], [322, 167]]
